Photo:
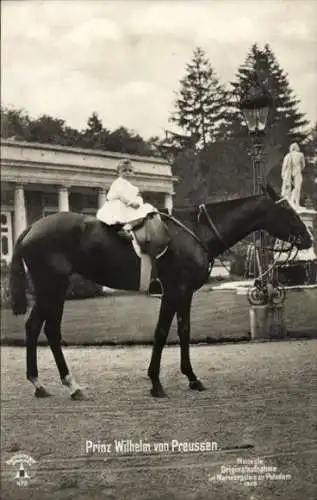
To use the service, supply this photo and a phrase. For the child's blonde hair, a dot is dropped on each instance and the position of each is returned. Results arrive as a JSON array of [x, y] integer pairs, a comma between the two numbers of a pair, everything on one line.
[[125, 165]]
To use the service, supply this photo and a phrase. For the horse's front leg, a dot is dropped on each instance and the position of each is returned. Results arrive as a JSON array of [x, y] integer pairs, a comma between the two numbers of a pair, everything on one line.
[[183, 330], [166, 316]]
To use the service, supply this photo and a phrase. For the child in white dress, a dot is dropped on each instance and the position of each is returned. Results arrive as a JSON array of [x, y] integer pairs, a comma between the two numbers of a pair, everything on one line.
[[124, 203]]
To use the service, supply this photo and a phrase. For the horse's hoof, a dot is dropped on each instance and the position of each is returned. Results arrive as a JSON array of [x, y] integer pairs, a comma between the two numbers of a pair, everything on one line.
[[78, 395], [40, 392], [158, 393], [197, 385]]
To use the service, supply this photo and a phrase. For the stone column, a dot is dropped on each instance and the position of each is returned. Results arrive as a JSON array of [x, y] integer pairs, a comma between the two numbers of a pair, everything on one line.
[[63, 201], [168, 202], [102, 197], [20, 221]]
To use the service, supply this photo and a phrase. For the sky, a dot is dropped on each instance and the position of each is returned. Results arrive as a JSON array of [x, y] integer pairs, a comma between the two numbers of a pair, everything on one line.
[[124, 59]]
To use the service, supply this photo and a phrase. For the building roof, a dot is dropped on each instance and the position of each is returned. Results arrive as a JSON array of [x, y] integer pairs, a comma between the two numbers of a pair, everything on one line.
[[29, 162]]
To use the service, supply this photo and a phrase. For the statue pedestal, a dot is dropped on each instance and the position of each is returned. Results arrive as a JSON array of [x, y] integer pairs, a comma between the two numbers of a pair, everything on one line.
[[267, 322], [299, 266]]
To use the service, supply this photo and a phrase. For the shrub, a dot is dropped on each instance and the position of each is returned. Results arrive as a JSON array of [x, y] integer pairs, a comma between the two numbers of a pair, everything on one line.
[[5, 289], [237, 265], [298, 274], [79, 287], [238, 259]]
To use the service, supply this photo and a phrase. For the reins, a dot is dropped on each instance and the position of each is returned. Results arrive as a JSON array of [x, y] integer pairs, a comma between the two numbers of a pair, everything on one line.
[[189, 231], [275, 260], [203, 210]]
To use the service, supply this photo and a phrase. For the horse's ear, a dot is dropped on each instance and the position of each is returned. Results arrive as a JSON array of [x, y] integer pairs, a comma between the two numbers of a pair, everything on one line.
[[270, 191]]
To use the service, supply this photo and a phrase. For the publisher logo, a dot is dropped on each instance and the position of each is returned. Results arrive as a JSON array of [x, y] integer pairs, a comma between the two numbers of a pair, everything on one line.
[[22, 464]]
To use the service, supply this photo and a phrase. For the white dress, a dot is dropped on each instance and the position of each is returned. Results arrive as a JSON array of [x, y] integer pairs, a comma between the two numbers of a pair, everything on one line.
[[116, 210]]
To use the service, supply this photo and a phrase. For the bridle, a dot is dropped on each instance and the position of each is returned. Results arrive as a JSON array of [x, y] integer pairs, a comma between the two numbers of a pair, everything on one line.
[[203, 210]]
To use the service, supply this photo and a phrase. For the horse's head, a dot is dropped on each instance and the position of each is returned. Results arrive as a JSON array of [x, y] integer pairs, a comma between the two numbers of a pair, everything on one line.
[[284, 223]]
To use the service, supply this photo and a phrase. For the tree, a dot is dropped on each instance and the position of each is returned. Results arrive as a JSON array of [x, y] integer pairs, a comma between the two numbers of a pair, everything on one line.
[[227, 168], [72, 137], [46, 129], [287, 120], [18, 125], [15, 124], [200, 105], [94, 124], [285, 123], [125, 141], [310, 146], [94, 136], [310, 173], [191, 189], [156, 146]]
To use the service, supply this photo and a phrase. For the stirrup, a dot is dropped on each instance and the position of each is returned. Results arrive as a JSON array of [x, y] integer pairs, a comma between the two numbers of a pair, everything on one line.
[[155, 288]]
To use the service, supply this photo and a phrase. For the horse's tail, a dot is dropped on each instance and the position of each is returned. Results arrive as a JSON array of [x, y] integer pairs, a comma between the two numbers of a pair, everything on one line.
[[18, 279]]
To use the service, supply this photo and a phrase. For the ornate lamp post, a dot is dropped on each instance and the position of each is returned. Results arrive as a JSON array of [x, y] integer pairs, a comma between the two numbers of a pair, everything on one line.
[[255, 103]]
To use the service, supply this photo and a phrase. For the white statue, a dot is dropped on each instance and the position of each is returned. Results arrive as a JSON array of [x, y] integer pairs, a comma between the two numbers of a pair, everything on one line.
[[293, 165]]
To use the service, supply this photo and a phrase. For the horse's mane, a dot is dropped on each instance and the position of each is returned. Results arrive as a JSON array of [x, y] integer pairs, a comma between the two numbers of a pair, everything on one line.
[[185, 217], [214, 206]]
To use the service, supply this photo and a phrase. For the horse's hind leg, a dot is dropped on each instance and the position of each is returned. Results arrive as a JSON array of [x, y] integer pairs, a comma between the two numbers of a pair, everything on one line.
[[53, 312], [183, 330], [166, 315], [33, 327]]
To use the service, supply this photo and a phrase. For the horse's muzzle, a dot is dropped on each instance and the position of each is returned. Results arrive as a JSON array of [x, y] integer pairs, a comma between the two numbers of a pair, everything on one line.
[[302, 243]]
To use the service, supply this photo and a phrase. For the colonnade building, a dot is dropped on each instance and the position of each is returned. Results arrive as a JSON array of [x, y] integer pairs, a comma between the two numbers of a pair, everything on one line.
[[39, 179]]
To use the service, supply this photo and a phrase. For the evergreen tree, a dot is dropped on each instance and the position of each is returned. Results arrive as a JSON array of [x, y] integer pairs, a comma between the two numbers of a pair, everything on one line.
[[94, 136], [191, 188], [94, 124], [200, 106], [285, 123]]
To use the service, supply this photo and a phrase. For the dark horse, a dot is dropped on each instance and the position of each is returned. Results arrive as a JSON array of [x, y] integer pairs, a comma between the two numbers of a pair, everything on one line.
[[61, 244]]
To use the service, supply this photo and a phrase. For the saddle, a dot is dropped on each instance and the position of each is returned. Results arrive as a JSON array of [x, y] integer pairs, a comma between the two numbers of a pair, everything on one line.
[[150, 240], [148, 233], [151, 234]]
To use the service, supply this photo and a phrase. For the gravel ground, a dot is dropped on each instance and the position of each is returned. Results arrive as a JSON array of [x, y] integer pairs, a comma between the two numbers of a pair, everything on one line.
[[261, 405]]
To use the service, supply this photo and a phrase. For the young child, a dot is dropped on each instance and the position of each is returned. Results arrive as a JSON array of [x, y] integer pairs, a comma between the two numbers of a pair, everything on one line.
[[124, 203]]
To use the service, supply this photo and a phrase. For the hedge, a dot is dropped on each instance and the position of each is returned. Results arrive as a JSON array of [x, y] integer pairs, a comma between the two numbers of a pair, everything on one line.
[[79, 287]]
